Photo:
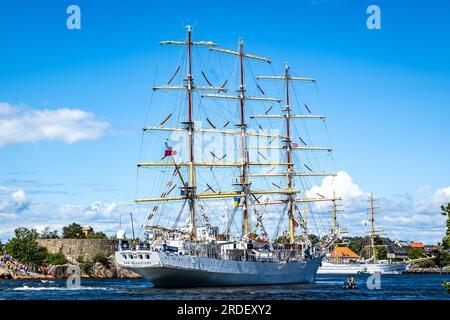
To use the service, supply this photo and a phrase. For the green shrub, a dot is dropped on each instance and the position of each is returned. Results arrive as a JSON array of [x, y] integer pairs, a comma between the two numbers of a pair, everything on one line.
[[55, 258], [100, 257], [86, 266], [97, 235], [415, 253]]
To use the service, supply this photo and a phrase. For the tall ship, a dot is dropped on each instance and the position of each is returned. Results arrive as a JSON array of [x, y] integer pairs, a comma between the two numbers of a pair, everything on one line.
[[209, 176], [344, 261]]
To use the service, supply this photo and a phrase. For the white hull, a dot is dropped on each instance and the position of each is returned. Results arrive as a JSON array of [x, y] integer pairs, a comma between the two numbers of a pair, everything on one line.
[[356, 268], [172, 270], [386, 268], [341, 268]]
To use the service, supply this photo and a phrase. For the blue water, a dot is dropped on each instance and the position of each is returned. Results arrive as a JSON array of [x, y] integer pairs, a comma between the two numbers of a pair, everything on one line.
[[393, 287]]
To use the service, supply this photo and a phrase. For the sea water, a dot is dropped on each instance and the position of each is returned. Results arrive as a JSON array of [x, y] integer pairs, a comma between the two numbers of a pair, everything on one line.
[[391, 287]]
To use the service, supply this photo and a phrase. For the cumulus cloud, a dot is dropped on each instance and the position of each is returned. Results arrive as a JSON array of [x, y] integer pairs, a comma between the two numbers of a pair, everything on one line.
[[342, 185], [20, 124], [12, 202], [18, 196]]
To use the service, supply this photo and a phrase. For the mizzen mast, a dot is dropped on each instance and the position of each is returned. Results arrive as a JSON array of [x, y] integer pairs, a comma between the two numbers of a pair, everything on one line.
[[288, 141]]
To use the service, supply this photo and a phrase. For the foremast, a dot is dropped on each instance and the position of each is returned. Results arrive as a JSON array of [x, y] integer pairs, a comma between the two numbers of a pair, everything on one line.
[[190, 187], [244, 153], [190, 129]]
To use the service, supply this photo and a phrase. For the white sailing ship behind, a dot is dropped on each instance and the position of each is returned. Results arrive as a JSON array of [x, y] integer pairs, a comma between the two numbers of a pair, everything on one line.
[[371, 265]]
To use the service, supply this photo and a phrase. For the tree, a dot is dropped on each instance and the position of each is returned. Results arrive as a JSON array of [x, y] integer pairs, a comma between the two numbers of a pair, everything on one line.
[[381, 252], [446, 240], [314, 239], [97, 235], [47, 234], [73, 231], [442, 258], [355, 244], [24, 247], [415, 253]]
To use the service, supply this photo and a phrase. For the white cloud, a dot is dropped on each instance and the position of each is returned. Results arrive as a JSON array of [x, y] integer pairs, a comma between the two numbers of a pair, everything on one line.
[[424, 189], [19, 196], [95, 211], [342, 184], [20, 124], [12, 203]]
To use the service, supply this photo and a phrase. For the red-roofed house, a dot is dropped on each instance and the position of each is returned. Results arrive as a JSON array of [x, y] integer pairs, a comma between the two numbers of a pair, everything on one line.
[[344, 254], [418, 245]]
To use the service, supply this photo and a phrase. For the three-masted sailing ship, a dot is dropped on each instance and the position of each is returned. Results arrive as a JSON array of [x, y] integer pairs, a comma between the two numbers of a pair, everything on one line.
[[201, 254]]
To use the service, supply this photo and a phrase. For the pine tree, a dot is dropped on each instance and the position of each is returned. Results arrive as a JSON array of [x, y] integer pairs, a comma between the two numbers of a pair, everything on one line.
[[446, 240]]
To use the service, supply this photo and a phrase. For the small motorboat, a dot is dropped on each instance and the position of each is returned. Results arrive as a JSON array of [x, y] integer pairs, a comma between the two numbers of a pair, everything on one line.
[[350, 284]]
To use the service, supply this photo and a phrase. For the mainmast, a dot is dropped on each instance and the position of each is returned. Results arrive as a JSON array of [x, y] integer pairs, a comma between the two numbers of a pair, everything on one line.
[[243, 179]]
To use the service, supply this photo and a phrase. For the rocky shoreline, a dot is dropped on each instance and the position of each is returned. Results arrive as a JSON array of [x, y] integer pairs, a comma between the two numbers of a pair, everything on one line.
[[108, 270]]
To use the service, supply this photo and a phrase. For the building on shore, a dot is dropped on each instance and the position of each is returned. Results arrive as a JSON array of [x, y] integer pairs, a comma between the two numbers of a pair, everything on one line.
[[418, 245], [403, 244], [343, 255], [393, 251], [87, 230]]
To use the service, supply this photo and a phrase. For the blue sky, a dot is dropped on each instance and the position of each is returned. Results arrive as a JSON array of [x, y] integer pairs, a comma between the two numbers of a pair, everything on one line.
[[385, 93]]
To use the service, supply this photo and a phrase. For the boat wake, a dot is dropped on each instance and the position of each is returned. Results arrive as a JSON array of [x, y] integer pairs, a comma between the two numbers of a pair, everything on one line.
[[27, 288]]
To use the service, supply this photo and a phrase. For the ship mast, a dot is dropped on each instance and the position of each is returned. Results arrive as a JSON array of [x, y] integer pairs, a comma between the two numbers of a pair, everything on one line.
[[244, 153], [190, 188], [288, 143], [288, 154], [243, 179], [373, 232], [335, 230], [190, 128]]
